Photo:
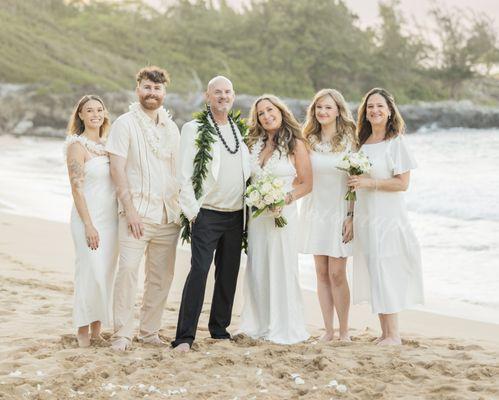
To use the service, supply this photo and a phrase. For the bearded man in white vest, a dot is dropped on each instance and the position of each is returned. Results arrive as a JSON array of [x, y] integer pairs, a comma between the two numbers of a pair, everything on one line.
[[213, 170]]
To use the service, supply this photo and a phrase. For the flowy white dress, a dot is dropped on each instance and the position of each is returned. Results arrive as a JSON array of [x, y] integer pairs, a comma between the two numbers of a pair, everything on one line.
[[273, 307], [95, 269], [323, 211], [386, 257]]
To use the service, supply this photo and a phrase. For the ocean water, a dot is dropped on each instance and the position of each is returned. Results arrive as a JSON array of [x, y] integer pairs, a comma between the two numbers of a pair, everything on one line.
[[452, 200]]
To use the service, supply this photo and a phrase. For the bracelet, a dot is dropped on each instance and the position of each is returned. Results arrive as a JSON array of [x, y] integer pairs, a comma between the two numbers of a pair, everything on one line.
[[289, 196], [350, 214]]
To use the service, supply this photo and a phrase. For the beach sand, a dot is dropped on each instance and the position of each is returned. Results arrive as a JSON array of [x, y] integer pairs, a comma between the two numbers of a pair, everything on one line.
[[442, 357]]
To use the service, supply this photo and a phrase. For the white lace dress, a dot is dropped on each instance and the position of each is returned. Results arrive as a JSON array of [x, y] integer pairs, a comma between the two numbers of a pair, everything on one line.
[[386, 257], [323, 211], [273, 308], [95, 269]]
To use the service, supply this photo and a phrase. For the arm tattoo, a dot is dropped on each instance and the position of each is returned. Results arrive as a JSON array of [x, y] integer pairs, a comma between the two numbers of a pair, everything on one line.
[[76, 174]]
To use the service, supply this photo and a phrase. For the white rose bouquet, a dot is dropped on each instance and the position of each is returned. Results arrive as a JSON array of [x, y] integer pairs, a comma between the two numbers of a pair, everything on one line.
[[354, 164], [267, 193]]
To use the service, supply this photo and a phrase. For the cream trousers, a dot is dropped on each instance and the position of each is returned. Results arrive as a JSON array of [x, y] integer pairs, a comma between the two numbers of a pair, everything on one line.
[[159, 243]]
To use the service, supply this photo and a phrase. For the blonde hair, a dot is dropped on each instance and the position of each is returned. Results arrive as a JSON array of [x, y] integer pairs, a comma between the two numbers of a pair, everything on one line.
[[76, 125], [345, 124], [395, 125], [288, 133]]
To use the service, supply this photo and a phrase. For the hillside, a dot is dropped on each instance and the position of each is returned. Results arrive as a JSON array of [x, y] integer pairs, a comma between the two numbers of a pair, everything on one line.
[[289, 47]]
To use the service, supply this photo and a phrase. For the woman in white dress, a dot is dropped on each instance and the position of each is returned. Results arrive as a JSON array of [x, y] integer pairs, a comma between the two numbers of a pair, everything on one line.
[[326, 226], [94, 218], [273, 308], [387, 257]]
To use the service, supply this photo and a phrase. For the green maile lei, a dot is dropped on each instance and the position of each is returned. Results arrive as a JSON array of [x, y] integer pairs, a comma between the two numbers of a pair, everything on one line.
[[204, 140]]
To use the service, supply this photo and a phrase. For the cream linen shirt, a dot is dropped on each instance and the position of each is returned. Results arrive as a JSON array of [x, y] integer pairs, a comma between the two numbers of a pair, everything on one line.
[[151, 180]]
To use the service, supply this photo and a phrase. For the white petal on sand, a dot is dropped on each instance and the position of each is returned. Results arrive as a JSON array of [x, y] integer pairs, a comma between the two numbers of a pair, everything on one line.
[[112, 394], [15, 374], [259, 372], [264, 391], [183, 390], [38, 387], [40, 373], [332, 383], [247, 354], [299, 381], [293, 376], [341, 388]]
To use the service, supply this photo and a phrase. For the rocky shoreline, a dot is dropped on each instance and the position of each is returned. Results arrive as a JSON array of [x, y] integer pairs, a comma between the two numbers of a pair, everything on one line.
[[28, 111]]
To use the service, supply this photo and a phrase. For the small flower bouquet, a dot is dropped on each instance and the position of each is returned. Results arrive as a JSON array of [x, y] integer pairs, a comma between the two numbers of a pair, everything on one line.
[[354, 164], [267, 193]]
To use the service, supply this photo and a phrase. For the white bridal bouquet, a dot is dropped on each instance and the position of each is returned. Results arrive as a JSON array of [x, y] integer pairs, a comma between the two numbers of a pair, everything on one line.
[[267, 193], [354, 164]]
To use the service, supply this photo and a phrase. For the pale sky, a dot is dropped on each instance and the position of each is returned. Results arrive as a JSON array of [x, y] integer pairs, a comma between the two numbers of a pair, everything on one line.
[[367, 10]]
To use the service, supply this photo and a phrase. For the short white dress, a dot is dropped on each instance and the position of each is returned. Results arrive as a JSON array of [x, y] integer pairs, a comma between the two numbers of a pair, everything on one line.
[[323, 211], [386, 257]]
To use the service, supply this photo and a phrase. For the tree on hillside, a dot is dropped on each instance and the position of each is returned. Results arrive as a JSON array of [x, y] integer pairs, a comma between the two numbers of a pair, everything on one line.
[[466, 42]]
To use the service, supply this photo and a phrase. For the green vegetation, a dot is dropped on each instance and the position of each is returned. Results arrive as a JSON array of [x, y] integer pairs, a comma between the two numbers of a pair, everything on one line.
[[288, 47]]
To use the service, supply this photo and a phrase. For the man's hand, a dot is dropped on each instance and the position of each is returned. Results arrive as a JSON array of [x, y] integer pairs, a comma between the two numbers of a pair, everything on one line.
[[135, 225]]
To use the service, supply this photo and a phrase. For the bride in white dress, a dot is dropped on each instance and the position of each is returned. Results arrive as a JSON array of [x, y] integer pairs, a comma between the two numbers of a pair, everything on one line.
[[94, 218], [273, 308], [386, 256]]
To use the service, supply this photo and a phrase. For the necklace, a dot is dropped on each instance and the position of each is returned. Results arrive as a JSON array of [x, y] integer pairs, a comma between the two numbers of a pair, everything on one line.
[[93, 147], [232, 127], [159, 148]]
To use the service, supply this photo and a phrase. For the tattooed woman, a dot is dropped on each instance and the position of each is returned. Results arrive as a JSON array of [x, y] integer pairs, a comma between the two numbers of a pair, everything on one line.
[[94, 218]]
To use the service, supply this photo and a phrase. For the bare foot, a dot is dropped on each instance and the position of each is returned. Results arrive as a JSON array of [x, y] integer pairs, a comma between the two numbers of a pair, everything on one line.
[[345, 337], [183, 348], [390, 341], [377, 340], [327, 337], [153, 340], [83, 339], [121, 344]]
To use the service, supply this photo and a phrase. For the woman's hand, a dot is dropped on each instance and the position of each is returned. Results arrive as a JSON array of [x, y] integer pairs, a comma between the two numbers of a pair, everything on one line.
[[92, 237], [347, 230], [360, 182], [276, 210]]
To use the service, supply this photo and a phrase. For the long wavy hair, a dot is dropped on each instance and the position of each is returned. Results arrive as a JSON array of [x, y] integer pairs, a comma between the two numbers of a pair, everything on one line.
[[76, 125], [289, 132], [395, 124], [345, 124]]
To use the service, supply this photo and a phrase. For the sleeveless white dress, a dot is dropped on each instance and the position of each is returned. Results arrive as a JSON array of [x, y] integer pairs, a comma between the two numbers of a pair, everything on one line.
[[386, 257], [95, 269], [273, 308], [323, 211]]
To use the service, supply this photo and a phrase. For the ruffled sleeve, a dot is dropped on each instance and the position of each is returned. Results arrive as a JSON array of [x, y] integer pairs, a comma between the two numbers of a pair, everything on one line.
[[400, 156]]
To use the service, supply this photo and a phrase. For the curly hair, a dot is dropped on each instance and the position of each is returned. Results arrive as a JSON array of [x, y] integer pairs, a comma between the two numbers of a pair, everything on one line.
[[154, 74]]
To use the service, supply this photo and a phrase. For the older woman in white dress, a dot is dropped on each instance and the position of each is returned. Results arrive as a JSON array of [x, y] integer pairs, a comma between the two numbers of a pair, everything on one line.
[[273, 308], [387, 257], [326, 225], [94, 218]]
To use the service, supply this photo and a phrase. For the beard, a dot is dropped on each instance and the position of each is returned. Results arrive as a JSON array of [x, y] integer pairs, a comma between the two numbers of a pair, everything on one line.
[[147, 103]]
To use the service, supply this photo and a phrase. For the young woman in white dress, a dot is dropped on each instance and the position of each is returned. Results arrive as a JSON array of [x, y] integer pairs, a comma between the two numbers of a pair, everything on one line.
[[326, 218], [387, 257], [273, 308], [94, 218]]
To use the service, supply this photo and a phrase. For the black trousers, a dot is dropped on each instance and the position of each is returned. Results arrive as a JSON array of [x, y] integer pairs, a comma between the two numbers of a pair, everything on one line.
[[220, 233]]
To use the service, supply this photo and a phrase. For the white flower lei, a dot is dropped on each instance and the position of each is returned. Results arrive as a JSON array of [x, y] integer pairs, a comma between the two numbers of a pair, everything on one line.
[[161, 151], [255, 156], [90, 145], [327, 147]]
